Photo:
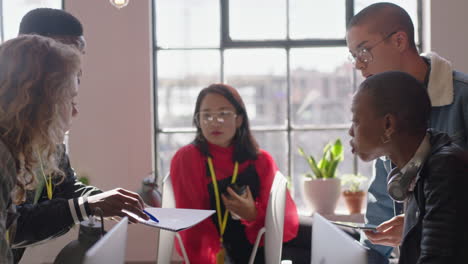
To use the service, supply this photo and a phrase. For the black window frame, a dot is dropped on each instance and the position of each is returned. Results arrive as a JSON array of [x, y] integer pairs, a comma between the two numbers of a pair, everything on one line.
[[226, 43]]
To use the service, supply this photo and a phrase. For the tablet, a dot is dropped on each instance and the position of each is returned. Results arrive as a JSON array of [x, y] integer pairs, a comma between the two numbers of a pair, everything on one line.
[[361, 226]]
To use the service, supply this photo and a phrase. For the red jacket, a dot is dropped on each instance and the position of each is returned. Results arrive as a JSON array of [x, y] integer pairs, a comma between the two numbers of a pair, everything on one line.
[[190, 182]]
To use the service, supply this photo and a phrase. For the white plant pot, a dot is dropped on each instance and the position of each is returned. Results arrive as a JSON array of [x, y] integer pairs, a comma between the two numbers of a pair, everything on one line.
[[322, 194]]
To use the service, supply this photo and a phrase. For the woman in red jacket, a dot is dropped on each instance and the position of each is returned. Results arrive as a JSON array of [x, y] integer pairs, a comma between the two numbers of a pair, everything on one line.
[[225, 150]]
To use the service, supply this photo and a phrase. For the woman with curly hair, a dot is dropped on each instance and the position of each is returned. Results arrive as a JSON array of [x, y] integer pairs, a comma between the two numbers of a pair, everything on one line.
[[38, 86]]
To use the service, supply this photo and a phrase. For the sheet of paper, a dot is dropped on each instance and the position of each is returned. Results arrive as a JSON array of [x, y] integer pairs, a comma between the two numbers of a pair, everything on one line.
[[175, 219]]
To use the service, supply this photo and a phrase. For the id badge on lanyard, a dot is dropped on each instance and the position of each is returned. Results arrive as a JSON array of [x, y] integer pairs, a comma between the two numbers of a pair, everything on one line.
[[222, 220]]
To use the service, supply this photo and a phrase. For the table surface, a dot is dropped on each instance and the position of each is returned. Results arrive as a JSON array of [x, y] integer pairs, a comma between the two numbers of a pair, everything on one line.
[[339, 216]]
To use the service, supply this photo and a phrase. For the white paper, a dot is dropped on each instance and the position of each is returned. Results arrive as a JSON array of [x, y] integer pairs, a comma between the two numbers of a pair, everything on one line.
[[175, 219]]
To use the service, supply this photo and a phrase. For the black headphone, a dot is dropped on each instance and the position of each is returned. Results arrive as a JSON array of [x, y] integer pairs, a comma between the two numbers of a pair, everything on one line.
[[398, 184]]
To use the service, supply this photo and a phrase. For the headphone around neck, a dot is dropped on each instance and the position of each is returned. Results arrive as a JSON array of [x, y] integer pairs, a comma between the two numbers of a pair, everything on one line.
[[398, 183]]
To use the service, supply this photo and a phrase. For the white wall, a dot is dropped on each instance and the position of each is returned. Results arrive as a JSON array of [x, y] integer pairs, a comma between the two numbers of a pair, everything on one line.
[[449, 31], [111, 137]]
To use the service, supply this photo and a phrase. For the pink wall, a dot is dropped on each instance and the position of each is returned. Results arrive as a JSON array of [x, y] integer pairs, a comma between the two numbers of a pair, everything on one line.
[[111, 137]]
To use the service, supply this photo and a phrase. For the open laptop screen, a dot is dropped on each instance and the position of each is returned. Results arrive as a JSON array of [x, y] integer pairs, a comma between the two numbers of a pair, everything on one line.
[[111, 247], [331, 245]]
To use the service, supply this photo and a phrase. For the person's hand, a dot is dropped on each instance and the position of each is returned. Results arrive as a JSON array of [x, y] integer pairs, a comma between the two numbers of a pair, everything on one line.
[[389, 233], [117, 202], [241, 205]]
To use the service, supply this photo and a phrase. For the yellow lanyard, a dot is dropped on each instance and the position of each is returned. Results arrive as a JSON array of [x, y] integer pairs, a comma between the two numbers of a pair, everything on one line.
[[222, 224], [48, 182]]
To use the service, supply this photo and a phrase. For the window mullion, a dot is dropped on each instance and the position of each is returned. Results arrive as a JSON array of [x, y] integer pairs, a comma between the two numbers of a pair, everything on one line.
[[288, 115], [224, 9], [1, 22]]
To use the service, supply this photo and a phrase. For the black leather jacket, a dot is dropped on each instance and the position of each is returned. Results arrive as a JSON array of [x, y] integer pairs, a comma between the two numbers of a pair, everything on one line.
[[47, 219], [435, 230]]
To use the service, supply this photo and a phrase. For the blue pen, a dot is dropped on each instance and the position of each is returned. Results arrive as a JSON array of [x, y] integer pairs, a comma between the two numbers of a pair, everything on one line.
[[151, 216]]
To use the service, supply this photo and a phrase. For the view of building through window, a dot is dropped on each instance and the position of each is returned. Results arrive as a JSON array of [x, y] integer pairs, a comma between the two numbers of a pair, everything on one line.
[[273, 73], [13, 11]]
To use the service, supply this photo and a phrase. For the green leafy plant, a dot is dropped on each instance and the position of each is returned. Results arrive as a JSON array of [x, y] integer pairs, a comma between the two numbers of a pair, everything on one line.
[[84, 180], [83, 177], [353, 182], [326, 167]]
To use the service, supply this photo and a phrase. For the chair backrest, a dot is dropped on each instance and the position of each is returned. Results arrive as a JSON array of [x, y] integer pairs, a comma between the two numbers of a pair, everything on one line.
[[168, 199], [274, 219], [166, 238]]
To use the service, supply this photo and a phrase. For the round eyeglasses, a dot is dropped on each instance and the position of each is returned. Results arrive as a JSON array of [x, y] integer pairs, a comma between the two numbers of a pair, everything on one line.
[[206, 117], [364, 55]]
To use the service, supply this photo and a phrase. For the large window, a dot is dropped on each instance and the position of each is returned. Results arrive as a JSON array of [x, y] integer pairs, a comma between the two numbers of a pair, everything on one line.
[[287, 58], [11, 12]]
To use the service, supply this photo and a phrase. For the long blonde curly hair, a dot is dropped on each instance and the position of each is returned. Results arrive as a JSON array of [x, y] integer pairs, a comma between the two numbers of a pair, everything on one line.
[[36, 93]]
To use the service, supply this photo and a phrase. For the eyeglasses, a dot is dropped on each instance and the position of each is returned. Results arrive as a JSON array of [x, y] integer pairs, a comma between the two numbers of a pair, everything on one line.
[[364, 55], [221, 116]]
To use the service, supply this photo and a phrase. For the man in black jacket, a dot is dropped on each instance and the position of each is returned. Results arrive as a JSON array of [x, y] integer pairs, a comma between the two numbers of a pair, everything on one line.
[[390, 118], [40, 217], [381, 38]]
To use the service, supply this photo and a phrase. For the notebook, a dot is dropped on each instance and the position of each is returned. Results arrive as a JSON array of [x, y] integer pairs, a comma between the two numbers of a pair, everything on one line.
[[331, 245], [111, 247], [175, 219]]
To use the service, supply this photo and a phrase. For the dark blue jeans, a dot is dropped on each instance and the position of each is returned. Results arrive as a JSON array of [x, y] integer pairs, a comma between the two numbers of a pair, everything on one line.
[[374, 257]]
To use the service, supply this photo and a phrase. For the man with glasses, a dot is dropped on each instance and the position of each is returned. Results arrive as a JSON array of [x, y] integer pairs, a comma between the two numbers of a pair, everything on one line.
[[381, 38]]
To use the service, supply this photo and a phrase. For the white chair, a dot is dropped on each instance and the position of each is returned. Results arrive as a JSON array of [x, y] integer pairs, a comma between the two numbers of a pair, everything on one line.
[[274, 222], [166, 238]]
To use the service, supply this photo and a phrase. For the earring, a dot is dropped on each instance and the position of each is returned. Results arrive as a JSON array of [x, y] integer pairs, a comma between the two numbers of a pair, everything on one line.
[[385, 139]]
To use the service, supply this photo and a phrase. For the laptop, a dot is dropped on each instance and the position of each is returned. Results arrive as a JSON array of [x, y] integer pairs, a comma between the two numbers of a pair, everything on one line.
[[331, 245], [111, 247]]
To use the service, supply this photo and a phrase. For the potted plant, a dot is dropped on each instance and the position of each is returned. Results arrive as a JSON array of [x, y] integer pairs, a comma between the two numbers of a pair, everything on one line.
[[321, 186], [353, 191]]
